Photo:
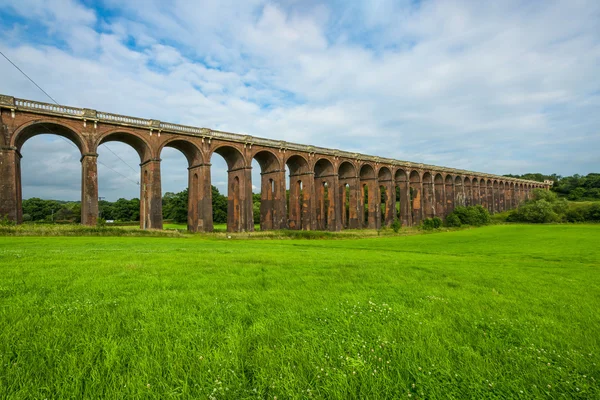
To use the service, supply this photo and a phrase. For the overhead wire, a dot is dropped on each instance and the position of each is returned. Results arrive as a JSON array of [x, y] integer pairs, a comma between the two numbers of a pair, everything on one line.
[[71, 143]]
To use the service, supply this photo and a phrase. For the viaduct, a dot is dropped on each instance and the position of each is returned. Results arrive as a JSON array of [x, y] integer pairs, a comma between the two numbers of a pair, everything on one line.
[[328, 189]]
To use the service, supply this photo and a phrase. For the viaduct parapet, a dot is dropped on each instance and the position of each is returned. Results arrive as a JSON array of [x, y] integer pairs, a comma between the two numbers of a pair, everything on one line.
[[328, 189]]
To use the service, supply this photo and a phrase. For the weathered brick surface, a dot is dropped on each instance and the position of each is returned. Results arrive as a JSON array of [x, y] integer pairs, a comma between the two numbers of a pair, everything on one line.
[[319, 178]]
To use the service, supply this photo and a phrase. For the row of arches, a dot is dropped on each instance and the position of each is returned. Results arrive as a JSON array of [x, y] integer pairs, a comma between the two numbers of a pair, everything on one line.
[[297, 190]]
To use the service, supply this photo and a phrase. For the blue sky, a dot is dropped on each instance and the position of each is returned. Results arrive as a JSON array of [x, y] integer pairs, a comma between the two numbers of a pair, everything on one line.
[[499, 87]]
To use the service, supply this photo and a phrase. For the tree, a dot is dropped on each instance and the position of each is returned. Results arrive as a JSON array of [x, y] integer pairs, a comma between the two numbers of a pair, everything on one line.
[[175, 206], [219, 203]]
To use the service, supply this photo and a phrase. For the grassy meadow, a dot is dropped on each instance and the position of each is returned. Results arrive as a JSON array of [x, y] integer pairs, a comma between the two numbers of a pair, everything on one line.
[[505, 311]]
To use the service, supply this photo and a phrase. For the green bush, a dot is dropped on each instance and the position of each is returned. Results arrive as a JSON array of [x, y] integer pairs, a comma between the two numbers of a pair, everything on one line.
[[396, 225], [576, 214], [429, 224], [5, 221], [592, 212], [536, 211], [472, 215], [452, 220], [546, 207]]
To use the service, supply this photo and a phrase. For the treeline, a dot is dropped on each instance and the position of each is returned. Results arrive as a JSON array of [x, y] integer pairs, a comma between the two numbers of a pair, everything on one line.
[[545, 206], [174, 208], [576, 187]]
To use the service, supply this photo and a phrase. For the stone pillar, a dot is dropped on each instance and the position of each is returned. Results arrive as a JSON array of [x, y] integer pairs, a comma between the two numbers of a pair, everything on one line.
[[273, 199], [300, 208], [405, 214], [416, 202], [89, 189], [502, 199], [308, 214], [10, 184], [490, 197], [390, 202], [150, 196], [327, 210], [295, 203], [496, 198], [321, 208], [459, 194], [449, 188], [440, 209], [335, 205], [239, 200], [351, 219], [482, 195], [475, 192], [372, 206], [428, 200], [468, 194], [200, 218]]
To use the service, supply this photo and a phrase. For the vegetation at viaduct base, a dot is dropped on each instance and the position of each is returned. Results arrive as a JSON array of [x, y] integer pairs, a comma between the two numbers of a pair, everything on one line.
[[503, 311], [553, 208]]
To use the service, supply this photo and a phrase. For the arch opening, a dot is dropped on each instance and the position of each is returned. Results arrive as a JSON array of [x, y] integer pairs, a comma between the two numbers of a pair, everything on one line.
[[370, 197], [325, 179], [387, 197], [299, 199], [179, 188], [269, 196], [415, 197], [438, 191], [132, 185], [233, 180], [402, 198], [50, 180], [449, 189], [349, 187], [428, 196]]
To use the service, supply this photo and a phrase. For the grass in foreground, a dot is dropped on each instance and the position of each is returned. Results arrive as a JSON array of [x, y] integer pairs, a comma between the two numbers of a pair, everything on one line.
[[505, 311]]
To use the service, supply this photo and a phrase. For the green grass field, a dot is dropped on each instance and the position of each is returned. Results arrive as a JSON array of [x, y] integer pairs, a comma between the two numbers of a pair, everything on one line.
[[508, 311]]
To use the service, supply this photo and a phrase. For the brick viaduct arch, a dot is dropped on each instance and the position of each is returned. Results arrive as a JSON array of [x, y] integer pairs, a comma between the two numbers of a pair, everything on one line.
[[328, 189]]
